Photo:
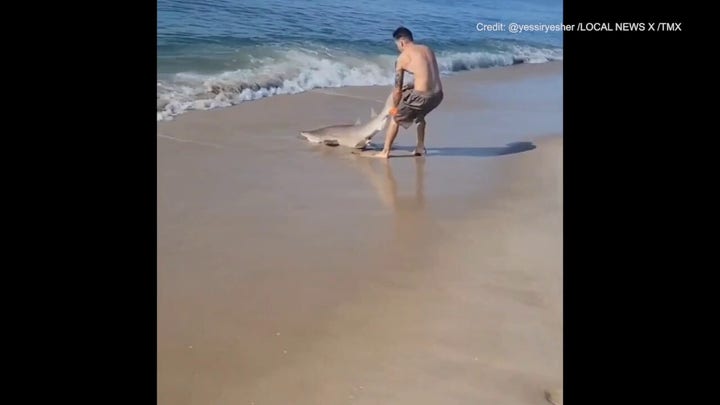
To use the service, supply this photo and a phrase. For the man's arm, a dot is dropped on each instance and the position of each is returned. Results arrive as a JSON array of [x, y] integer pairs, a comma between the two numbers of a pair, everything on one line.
[[399, 74]]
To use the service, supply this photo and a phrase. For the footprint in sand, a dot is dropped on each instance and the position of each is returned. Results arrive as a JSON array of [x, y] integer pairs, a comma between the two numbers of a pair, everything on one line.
[[554, 397]]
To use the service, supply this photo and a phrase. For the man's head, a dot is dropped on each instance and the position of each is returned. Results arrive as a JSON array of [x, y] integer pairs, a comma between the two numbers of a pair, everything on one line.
[[402, 37]]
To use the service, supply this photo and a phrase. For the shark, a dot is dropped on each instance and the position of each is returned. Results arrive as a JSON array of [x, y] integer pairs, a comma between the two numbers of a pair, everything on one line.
[[356, 135]]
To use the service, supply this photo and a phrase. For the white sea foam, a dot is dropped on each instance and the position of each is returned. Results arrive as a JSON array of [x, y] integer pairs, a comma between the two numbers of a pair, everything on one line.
[[300, 70]]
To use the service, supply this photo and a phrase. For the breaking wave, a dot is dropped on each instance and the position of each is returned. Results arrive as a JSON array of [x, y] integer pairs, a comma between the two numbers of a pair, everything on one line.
[[297, 70]]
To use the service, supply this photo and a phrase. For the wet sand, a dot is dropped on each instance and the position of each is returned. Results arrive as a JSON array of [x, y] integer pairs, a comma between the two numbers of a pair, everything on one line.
[[293, 273]]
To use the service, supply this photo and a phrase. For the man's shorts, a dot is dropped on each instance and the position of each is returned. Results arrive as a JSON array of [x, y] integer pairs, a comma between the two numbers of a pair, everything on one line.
[[415, 105]]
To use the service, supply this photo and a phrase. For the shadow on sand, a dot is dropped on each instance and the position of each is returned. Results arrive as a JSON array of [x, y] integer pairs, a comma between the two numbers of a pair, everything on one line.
[[384, 183], [511, 148]]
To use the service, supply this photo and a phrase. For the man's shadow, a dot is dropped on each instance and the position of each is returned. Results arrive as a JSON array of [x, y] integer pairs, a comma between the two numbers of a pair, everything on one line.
[[412, 226], [511, 148], [382, 178]]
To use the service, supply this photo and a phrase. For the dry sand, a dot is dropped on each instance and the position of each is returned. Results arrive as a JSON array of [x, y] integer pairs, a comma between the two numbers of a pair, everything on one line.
[[292, 273]]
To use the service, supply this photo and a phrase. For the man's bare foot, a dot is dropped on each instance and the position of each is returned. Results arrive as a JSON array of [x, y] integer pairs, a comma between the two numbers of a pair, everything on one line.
[[418, 152], [382, 155]]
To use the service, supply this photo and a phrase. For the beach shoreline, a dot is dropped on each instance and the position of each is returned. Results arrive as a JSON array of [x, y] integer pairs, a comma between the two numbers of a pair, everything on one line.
[[499, 73], [297, 273]]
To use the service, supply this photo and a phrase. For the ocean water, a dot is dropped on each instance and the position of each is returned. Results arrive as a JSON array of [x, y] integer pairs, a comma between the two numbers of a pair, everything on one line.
[[220, 53]]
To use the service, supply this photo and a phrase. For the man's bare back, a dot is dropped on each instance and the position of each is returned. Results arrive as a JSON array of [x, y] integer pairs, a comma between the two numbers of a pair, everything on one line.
[[421, 62]]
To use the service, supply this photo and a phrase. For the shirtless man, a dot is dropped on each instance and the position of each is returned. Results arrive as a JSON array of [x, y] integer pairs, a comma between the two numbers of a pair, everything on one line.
[[413, 103]]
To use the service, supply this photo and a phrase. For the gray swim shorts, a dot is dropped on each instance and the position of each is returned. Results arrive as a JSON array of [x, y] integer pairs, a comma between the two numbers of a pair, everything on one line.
[[415, 105]]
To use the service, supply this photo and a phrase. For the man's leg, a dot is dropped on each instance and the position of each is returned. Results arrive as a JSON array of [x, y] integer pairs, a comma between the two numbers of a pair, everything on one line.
[[432, 103], [389, 139], [420, 148]]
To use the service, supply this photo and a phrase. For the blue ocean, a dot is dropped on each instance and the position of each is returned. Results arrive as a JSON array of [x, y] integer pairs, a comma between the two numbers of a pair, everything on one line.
[[219, 53]]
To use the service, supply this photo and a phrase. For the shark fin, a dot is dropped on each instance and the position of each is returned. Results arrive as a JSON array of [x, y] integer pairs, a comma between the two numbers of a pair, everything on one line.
[[373, 114]]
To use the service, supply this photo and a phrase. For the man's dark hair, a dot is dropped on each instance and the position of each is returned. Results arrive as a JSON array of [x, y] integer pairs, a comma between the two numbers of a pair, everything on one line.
[[402, 32]]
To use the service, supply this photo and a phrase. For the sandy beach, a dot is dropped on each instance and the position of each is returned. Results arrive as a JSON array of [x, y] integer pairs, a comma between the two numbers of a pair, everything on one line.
[[294, 273]]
